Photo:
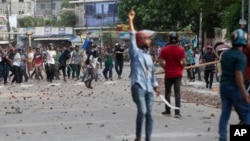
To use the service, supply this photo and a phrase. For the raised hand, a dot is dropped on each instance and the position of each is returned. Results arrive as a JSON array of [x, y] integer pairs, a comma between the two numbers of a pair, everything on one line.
[[131, 14]]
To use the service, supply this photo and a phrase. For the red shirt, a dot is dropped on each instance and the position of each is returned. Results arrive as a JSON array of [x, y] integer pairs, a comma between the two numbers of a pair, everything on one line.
[[246, 51], [172, 55]]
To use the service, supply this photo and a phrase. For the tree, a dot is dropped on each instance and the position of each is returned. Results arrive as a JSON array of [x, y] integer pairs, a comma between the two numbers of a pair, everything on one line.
[[176, 15], [67, 18], [66, 4]]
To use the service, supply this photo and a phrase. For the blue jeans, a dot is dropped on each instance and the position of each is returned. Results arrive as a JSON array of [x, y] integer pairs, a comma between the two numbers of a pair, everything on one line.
[[198, 71], [76, 70], [231, 96], [144, 102]]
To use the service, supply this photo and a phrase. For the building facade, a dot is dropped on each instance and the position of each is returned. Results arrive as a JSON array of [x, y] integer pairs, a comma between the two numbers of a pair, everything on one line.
[[96, 13], [17, 7], [47, 8]]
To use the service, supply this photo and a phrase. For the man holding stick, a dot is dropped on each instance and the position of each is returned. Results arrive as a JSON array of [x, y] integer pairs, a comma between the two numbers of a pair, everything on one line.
[[172, 60], [143, 80]]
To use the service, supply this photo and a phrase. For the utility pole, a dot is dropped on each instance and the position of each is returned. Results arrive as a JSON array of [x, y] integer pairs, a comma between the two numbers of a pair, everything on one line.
[[200, 31], [8, 19], [242, 22]]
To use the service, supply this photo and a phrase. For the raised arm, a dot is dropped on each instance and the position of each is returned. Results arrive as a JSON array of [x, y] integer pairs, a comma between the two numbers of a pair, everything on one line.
[[133, 49], [131, 16]]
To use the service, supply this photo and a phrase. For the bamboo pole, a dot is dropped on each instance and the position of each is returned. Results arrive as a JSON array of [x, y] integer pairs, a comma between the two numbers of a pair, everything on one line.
[[194, 66]]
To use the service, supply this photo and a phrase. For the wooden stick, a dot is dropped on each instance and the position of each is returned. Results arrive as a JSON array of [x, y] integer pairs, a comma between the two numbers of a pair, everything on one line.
[[194, 66]]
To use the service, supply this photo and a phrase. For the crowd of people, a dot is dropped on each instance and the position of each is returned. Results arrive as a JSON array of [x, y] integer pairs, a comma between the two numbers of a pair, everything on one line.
[[19, 65], [60, 62]]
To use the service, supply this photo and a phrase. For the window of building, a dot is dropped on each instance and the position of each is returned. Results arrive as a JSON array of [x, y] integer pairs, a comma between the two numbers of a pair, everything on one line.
[[20, 0], [53, 6], [89, 9], [42, 6], [3, 1]]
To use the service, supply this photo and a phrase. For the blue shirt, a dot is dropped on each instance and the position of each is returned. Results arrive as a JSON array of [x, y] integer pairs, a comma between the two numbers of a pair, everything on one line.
[[190, 57], [232, 60], [142, 67]]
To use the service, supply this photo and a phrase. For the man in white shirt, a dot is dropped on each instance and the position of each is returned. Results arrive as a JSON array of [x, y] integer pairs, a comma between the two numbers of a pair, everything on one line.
[[50, 65], [16, 66]]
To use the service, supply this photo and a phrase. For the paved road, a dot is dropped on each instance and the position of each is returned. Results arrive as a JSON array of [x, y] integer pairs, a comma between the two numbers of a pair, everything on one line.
[[42, 111]]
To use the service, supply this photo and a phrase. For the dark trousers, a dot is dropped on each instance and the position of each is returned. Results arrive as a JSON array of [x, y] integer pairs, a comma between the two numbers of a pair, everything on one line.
[[198, 72], [77, 69], [209, 77], [190, 73], [63, 68], [108, 68], [17, 73], [118, 67], [50, 69], [5, 72], [90, 76], [57, 66], [177, 86], [24, 74]]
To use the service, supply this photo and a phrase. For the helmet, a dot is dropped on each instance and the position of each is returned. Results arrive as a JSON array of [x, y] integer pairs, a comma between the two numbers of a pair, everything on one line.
[[173, 37], [140, 35], [239, 38]]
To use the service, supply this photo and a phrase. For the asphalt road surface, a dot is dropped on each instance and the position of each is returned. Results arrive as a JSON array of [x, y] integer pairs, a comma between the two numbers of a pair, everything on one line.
[[58, 111]]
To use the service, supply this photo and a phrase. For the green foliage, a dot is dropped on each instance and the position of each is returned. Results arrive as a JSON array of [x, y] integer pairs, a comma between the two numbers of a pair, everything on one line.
[[66, 19], [164, 15], [66, 4], [107, 39]]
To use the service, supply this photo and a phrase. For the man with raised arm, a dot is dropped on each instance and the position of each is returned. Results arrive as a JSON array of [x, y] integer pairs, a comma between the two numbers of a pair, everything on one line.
[[143, 80]]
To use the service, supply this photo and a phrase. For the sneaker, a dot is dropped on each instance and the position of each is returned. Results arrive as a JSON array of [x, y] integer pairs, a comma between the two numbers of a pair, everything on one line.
[[137, 139], [178, 116], [166, 113], [86, 84]]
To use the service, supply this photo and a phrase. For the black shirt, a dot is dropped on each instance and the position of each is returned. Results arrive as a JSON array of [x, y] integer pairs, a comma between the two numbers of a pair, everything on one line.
[[209, 57], [119, 56]]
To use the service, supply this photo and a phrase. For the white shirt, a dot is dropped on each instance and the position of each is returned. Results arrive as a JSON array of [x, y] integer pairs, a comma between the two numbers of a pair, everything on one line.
[[50, 56], [93, 61], [197, 58], [17, 59]]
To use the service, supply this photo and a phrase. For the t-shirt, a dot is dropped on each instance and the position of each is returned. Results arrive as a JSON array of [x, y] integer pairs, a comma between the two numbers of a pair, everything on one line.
[[209, 57], [232, 60], [38, 58], [246, 51], [190, 57], [17, 59], [50, 56], [108, 59], [77, 57], [30, 56], [172, 55], [58, 54], [119, 56]]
